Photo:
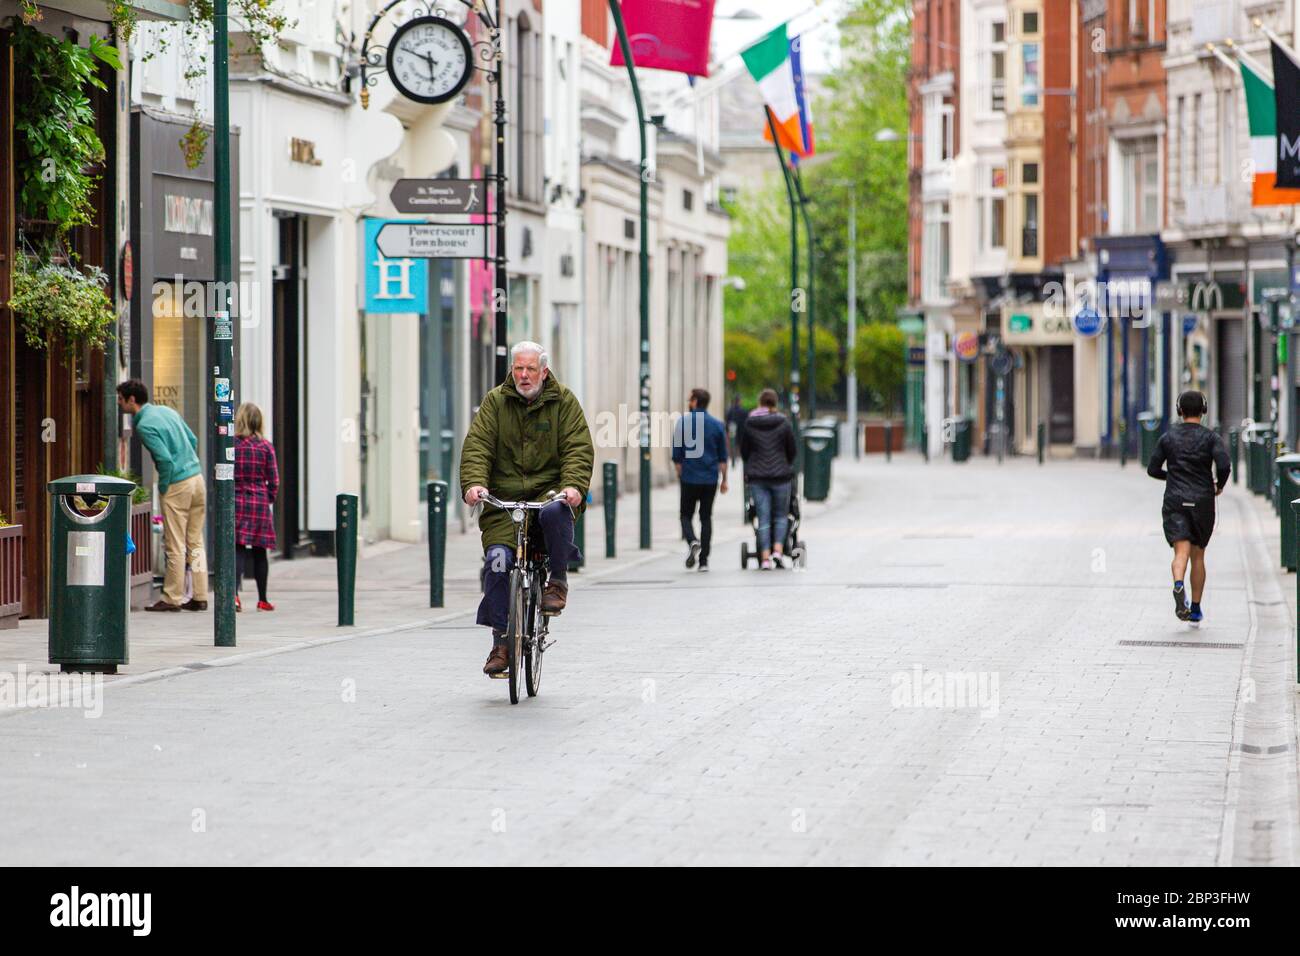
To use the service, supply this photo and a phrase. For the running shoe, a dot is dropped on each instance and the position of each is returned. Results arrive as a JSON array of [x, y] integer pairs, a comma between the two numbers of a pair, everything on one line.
[[1180, 604], [694, 555], [1195, 615]]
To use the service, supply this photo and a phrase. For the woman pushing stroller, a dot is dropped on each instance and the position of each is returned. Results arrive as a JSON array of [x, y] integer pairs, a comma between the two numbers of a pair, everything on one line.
[[768, 448]]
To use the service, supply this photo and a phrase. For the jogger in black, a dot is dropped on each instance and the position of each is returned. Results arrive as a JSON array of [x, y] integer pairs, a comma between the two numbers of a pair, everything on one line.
[[1193, 463]]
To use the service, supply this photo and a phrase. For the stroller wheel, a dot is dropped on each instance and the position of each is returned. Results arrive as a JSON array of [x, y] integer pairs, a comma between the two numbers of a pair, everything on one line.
[[744, 555]]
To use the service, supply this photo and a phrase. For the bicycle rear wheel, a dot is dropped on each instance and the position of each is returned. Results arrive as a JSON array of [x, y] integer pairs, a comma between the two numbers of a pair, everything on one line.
[[533, 642], [515, 631]]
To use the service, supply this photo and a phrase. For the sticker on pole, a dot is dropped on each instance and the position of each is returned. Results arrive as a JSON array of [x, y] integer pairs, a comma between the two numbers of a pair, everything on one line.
[[85, 487], [223, 329], [221, 389], [225, 472]]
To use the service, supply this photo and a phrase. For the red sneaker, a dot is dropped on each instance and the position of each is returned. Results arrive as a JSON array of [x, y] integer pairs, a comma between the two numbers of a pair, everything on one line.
[[265, 606], [238, 604]]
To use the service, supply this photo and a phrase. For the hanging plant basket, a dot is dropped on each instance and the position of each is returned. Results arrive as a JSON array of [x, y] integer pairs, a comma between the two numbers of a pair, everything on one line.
[[61, 303]]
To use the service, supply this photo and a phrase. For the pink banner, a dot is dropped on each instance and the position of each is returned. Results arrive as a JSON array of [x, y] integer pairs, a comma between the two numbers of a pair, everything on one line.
[[667, 35]]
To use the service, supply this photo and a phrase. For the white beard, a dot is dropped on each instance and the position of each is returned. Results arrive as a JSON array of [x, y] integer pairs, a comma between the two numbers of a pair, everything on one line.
[[532, 393]]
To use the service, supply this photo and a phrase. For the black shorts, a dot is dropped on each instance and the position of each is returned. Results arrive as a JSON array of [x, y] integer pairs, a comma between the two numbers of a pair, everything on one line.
[[1189, 521]]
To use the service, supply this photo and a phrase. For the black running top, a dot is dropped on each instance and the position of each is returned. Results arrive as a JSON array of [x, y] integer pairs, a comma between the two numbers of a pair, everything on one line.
[[1183, 459]]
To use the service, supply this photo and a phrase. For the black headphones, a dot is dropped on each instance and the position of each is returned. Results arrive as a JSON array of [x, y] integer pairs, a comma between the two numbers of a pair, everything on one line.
[[1193, 404]]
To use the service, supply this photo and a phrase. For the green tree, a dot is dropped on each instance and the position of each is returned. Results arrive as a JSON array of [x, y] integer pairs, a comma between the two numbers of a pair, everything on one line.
[[881, 363], [866, 95], [746, 355], [826, 354], [759, 255]]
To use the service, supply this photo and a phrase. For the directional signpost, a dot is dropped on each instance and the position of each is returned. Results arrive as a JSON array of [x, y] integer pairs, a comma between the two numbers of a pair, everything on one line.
[[440, 196], [418, 240]]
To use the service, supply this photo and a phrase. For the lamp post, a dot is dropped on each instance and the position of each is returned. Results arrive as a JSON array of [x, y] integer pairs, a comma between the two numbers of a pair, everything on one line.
[[644, 430], [222, 332]]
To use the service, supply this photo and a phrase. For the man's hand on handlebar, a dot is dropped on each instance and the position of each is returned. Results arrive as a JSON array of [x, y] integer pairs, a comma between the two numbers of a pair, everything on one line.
[[474, 494], [572, 497]]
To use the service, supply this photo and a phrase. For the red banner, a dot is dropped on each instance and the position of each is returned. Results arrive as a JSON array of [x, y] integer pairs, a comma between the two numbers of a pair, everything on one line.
[[667, 35]]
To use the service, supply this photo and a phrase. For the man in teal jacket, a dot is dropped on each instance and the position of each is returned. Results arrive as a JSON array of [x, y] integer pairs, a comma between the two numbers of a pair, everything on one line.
[[181, 489]]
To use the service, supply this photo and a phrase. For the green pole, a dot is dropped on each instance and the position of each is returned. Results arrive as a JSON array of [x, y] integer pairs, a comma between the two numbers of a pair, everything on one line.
[[623, 44], [223, 351], [812, 285], [794, 303], [436, 497], [609, 498], [345, 556], [1295, 510], [580, 537]]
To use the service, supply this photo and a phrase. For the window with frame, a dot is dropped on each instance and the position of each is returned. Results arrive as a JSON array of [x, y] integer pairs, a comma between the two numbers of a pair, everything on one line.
[[1030, 72], [997, 68], [1140, 169]]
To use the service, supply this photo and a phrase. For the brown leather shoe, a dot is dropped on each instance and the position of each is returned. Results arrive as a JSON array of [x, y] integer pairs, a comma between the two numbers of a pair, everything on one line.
[[193, 605], [554, 597], [162, 605], [497, 663]]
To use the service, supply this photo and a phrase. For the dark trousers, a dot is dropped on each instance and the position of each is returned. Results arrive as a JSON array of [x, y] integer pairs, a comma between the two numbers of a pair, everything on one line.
[[254, 560], [556, 520], [703, 496]]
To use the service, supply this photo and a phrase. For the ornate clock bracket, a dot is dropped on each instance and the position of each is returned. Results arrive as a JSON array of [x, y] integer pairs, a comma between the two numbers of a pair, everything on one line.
[[487, 52]]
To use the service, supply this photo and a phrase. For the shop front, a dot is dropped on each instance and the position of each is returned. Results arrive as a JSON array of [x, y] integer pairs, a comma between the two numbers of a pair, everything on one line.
[[1041, 339], [169, 346]]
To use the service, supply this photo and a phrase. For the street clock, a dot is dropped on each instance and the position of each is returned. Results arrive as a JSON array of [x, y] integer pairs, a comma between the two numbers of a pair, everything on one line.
[[429, 59]]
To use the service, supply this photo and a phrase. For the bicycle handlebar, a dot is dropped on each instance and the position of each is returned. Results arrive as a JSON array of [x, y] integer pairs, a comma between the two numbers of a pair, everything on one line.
[[526, 505]]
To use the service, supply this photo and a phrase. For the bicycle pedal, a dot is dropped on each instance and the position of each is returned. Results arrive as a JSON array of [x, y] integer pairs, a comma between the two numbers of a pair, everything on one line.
[[551, 613], [500, 676]]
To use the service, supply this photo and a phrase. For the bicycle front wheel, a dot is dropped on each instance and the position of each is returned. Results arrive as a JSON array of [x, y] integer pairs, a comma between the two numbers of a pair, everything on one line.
[[533, 642], [515, 631]]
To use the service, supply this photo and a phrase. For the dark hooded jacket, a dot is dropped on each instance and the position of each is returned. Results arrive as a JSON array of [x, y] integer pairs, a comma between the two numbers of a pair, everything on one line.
[[521, 450], [768, 447]]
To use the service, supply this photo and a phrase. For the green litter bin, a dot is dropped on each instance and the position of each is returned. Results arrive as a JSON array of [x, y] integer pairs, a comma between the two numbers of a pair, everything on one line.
[[959, 428], [90, 572], [818, 451], [833, 426], [1149, 428], [1259, 458], [1288, 470]]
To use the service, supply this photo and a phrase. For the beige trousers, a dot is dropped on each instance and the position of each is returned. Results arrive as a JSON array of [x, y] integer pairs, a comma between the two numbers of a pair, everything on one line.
[[183, 508]]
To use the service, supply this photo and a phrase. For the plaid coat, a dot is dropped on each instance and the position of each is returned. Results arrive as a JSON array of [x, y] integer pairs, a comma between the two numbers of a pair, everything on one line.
[[256, 482]]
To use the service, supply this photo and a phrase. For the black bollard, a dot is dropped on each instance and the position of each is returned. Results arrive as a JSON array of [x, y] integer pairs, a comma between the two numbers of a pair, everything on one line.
[[436, 495], [610, 500], [345, 555]]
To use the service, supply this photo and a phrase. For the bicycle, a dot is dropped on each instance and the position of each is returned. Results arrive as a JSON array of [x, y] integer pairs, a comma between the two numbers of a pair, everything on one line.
[[528, 630]]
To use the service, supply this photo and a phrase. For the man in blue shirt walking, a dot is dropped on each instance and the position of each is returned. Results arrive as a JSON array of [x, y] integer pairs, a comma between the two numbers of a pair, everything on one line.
[[700, 454]]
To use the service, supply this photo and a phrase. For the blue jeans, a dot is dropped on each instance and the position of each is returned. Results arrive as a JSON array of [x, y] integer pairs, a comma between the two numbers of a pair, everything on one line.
[[556, 520], [772, 502]]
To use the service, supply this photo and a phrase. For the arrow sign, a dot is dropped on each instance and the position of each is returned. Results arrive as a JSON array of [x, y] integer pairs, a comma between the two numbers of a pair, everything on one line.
[[417, 240], [426, 196]]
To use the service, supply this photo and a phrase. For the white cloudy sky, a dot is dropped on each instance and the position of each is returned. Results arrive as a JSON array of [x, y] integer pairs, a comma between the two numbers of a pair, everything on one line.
[[820, 45]]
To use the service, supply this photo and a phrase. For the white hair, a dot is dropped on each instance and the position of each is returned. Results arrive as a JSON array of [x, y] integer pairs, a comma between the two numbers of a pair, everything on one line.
[[543, 360]]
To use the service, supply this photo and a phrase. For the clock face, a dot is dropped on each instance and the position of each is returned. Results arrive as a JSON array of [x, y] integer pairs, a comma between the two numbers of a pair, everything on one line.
[[429, 60]]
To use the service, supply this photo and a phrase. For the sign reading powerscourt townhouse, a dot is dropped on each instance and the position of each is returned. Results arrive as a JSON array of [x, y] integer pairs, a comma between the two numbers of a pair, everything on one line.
[[394, 285]]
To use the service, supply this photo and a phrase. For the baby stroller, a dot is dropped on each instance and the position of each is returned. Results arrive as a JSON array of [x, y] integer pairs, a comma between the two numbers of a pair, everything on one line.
[[795, 549]]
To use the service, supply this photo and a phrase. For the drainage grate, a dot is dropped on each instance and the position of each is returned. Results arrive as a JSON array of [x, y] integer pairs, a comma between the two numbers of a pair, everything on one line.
[[1253, 749], [1210, 644]]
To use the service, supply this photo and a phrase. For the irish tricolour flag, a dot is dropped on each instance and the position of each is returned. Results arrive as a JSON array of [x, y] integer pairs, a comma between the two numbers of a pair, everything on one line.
[[1261, 112], [772, 63]]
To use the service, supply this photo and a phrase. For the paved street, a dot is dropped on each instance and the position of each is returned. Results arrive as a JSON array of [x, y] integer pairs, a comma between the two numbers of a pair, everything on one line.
[[955, 679]]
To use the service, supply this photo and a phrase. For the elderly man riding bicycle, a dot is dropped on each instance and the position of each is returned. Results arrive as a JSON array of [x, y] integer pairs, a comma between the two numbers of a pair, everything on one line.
[[529, 438]]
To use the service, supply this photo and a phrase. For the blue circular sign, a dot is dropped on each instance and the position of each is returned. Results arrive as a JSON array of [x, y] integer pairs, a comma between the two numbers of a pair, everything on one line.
[[1087, 322], [1189, 324]]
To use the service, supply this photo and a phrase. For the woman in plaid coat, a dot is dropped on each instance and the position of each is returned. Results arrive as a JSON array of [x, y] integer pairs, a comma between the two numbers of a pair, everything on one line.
[[256, 482]]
